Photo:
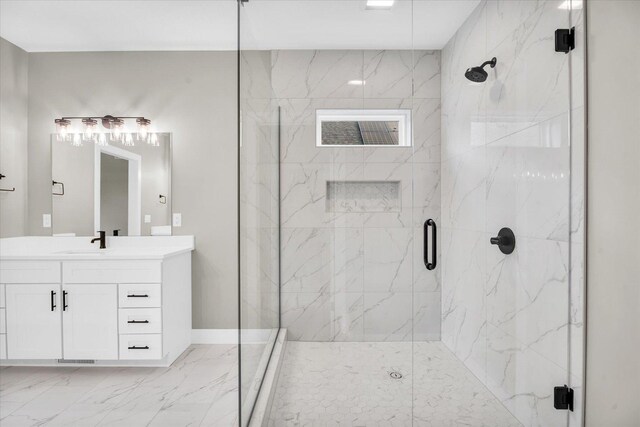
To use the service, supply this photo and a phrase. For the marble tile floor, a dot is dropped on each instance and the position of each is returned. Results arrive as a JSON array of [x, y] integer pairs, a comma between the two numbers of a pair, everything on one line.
[[349, 384], [199, 389]]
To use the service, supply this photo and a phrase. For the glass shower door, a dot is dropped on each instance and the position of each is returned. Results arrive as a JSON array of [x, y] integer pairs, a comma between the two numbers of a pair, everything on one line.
[[379, 132], [259, 216], [506, 167]]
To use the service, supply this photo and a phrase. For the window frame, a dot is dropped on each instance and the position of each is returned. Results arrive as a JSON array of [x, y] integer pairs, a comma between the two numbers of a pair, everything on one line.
[[401, 115]]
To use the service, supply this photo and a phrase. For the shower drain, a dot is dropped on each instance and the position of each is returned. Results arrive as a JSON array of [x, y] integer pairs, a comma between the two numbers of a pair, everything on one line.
[[395, 375]]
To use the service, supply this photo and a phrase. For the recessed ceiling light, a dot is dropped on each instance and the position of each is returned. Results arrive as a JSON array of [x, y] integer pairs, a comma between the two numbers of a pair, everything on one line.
[[380, 4], [571, 5], [357, 82]]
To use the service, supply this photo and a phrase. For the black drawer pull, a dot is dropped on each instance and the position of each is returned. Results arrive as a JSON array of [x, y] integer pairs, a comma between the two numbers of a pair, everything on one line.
[[137, 321], [138, 296], [133, 347], [53, 300], [64, 301]]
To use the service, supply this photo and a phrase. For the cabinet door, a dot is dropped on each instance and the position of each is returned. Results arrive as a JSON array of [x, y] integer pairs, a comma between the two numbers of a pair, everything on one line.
[[33, 321], [90, 321]]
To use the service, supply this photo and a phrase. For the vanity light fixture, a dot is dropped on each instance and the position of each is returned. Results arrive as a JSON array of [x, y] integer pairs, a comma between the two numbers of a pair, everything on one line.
[[89, 127], [143, 128], [380, 4], [116, 126], [62, 126]]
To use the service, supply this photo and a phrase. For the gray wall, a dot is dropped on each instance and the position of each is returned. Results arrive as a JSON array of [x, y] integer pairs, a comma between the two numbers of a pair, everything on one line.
[[13, 138], [190, 94], [613, 280]]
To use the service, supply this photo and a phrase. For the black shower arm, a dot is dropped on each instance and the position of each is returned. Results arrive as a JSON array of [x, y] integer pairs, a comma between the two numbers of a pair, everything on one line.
[[491, 62]]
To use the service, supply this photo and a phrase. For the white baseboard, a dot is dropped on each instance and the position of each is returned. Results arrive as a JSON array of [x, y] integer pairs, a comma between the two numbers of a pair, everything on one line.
[[229, 336], [214, 336]]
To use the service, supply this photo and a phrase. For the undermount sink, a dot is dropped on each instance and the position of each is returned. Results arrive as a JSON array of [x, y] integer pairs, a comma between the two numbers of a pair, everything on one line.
[[84, 252]]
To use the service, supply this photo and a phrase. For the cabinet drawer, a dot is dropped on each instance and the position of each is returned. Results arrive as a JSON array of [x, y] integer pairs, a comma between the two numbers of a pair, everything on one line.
[[112, 271], [140, 320], [140, 347], [30, 272], [139, 295], [3, 346], [2, 297], [3, 322]]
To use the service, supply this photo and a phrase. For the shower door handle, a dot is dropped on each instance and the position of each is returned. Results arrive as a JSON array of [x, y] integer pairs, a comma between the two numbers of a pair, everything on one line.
[[434, 245]]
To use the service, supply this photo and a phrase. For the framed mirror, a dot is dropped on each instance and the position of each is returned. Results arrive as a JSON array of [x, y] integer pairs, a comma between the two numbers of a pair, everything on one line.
[[124, 190]]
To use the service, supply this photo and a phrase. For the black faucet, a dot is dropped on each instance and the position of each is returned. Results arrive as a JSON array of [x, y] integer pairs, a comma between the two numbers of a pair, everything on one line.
[[102, 239]]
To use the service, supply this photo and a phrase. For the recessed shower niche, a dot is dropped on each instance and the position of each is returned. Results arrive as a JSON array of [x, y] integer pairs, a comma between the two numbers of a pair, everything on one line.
[[364, 196]]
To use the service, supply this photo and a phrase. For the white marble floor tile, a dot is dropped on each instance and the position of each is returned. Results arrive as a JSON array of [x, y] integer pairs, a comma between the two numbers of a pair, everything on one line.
[[200, 388]]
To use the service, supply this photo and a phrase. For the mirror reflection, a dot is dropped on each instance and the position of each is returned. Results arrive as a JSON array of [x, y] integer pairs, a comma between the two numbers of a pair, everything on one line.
[[122, 190]]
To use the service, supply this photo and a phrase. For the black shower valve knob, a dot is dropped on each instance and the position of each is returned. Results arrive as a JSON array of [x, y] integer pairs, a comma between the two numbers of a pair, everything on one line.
[[505, 240]]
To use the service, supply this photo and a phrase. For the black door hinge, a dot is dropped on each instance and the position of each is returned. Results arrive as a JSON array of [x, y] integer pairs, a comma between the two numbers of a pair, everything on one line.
[[565, 40], [563, 398]]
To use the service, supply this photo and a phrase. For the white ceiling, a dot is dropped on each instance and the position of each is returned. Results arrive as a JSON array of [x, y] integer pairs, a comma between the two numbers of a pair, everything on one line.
[[116, 25]]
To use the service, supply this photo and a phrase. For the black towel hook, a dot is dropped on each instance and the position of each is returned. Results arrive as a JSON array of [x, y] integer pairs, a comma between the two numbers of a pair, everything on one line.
[[6, 189]]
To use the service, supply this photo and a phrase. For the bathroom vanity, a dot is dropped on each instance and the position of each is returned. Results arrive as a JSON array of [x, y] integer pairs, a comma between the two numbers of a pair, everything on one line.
[[64, 301]]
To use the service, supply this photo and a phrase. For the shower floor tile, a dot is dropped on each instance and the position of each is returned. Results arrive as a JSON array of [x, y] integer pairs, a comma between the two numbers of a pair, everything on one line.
[[350, 384]]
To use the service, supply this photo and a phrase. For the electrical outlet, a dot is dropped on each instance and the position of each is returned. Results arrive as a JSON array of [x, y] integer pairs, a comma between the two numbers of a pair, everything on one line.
[[46, 220], [147, 219], [177, 220]]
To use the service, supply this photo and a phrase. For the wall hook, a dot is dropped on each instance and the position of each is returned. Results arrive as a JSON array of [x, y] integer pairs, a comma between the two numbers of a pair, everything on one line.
[[6, 189], [54, 183]]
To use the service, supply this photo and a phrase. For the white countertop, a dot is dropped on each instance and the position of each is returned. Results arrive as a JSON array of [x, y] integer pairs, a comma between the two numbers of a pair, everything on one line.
[[79, 248]]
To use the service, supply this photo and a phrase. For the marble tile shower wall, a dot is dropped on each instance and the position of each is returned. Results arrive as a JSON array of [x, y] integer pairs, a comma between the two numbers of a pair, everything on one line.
[[507, 162], [259, 195], [357, 275]]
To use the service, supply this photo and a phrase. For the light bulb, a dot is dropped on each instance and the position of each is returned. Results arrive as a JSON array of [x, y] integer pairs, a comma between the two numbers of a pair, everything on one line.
[[62, 127], [117, 128], [143, 128], [153, 140], [89, 127]]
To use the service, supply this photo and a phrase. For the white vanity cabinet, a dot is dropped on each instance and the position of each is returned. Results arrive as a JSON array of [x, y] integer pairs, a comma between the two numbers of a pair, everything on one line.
[[101, 310], [90, 321], [34, 322], [31, 303], [3, 324]]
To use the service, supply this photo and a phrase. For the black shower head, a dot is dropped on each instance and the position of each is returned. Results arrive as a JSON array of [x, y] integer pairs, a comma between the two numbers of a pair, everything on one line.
[[478, 74]]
